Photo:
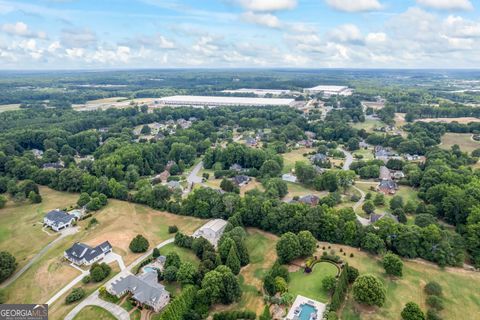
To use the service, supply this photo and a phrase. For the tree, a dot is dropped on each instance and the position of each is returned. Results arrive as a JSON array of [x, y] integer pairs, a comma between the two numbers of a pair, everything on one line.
[[7, 265], [172, 259], [307, 242], [367, 289], [170, 273], [270, 169], [3, 201], [288, 247], [155, 253], [396, 202], [139, 244], [433, 288], [97, 274], [34, 197], [75, 295], [412, 312], [186, 273], [228, 186], [146, 130], [392, 264], [280, 285], [352, 274], [266, 313], [373, 243], [232, 260], [368, 207], [329, 283], [435, 302], [353, 144], [379, 199], [84, 199]]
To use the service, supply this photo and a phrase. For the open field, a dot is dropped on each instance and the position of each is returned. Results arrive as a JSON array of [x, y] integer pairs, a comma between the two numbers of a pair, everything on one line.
[[310, 284], [113, 102], [184, 254], [406, 192], [9, 107], [368, 125], [293, 156], [94, 312], [463, 140], [261, 247], [366, 153], [297, 189], [21, 224], [399, 119], [460, 287], [462, 120]]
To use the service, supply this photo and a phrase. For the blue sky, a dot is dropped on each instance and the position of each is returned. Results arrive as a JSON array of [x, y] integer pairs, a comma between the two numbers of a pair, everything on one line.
[[78, 34]]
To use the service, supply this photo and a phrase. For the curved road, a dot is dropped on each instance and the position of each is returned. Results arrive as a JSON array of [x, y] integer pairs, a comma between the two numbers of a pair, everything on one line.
[[346, 166]]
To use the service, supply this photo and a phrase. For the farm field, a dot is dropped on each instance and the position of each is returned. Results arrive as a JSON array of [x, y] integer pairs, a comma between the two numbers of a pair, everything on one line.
[[310, 284], [459, 287], [94, 312], [9, 107], [21, 224], [261, 247], [463, 140]]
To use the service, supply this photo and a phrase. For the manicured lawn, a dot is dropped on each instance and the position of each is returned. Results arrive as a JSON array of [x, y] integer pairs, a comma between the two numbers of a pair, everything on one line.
[[21, 224], [460, 287], [464, 140], [185, 254], [9, 107], [366, 153], [297, 189], [94, 312], [261, 247], [368, 125], [293, 156], [310, 284]]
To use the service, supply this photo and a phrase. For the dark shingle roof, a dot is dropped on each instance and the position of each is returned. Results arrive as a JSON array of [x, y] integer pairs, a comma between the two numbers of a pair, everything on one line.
[[59, 216], [144, 288], [81, 251]]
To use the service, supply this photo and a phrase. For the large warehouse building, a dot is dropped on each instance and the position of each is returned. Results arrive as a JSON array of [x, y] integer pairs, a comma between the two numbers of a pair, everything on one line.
[[260, 92], [214, 101], [328, 91]]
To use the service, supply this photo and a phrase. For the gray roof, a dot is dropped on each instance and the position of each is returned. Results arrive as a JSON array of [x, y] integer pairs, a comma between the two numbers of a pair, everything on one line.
[[59, 216], [173, 184], [319, 157], [81, 251], [388, 184], [145, 288], [376, 217], [241, 179], [309, 199]]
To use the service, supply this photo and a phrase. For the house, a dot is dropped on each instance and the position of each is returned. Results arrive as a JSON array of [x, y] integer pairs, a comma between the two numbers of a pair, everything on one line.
[[236, 167], [319, 170], [305, 143], [376, 217], [384, 154], [387, 186], [289, 177], [251, 141], [53, 165], [385, 173], [211, 231], [184, 124], [173, 185], [37, 153], [241, 180], [398, 175], [145, 290], [310, 134], [78, 213], [318, 158], [82, 254], [58, 220], [309, 199]]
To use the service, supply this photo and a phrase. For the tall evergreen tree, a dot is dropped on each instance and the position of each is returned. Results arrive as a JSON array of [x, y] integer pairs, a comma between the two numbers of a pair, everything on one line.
[[232, 260]]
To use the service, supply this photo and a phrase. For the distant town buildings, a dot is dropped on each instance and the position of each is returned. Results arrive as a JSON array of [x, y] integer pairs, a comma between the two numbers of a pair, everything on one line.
[[214, 101], [260, 92], [328, 91]]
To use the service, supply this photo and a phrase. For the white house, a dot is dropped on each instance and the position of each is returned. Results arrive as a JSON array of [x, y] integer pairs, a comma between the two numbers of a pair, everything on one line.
[[83, 254], [58, 220], [211, 231]]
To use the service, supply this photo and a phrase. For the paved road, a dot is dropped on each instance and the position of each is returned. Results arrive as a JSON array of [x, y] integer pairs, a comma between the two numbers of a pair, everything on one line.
[[346, 166], [64, 233], [114, 309], [193, 176]]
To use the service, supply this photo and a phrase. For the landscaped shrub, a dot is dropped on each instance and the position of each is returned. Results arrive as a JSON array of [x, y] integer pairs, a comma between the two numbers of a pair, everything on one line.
[[107, 296], [435, 302], [183, 240], [7, 265], [432, 314], [179, 306], [367, 289], [98, 272], [234, 315], [329, 283], [172, 229], [433, 288], [86, 279], [139, 244], [340, 290], [75, 295], [352, 273]]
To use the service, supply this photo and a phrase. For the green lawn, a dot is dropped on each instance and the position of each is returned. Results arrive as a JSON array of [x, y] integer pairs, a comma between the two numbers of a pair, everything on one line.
[[94, 312], [185, 254], [368, 125], [310, 285], [297, 189], [293, 156], [463, 140], [366, 153]]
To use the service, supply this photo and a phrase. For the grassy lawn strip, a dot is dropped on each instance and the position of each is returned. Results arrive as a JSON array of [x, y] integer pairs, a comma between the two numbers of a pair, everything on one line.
[[185, 254], [463, 140], [310, 284], [94, 312]]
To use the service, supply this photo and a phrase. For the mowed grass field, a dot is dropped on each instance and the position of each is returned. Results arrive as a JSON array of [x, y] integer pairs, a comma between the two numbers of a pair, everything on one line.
[[297, 189], [94, 312], [261, 247], [463, 140], [293, 156], [9, 107], [21, 224], [368, 125], [185, 255], [310, 284], [460, 288]]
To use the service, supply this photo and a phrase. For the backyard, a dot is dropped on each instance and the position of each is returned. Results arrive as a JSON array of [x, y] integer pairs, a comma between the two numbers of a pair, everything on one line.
[[293, 156]]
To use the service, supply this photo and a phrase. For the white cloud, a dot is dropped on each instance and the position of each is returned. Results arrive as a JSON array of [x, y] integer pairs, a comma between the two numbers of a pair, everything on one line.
[[263, 19], [105, 56], [54, 46], [78, 38], [296, 60], [447, 4], [460, 28], [346, 33], [205, 46], [376, 37], [355, 5], [21, 29], [75, 53], [164, 43], [267, 5]]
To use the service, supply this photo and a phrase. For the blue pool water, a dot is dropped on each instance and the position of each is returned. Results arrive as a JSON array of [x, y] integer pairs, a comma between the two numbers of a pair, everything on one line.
[[306, 311], [149, 269]]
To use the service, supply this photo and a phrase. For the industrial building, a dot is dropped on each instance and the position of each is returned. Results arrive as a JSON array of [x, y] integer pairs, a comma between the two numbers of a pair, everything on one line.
[[261, 92], [328, 91], [214, 101]]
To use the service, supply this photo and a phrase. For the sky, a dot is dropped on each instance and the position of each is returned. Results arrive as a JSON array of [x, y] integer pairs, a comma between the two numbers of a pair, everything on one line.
[[88, 34]]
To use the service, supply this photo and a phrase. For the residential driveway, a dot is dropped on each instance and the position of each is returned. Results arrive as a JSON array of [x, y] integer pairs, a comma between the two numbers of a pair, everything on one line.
[[64, 233], [112, 257], [193, 176], [114, 309], [348, 159]]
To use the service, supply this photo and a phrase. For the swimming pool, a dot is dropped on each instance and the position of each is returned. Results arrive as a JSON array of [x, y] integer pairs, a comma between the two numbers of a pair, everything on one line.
[[306, 311], [149, 269]]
